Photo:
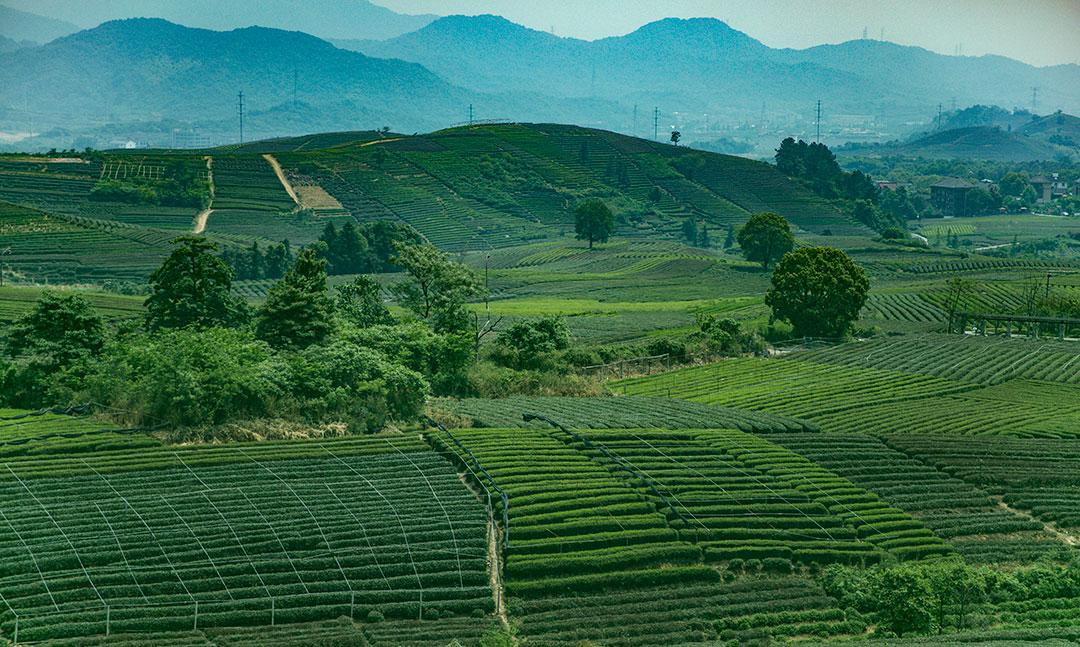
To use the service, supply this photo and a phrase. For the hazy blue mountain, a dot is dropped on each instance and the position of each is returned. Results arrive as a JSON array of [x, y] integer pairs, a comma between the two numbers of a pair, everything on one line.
[[25, 26], [146, 69], [140, 78], [322, 18], [703, 64]]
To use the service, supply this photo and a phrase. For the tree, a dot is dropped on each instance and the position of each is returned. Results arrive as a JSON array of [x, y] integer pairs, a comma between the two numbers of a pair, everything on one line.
[[193, 288], [819, 290], [437, 288], [765, 238], [1013, 184], [905, 601], [729, 241], [703, 240], [675, 137], [690, 230], [59, 330], [593, 221], [298, 311], [361, 304]]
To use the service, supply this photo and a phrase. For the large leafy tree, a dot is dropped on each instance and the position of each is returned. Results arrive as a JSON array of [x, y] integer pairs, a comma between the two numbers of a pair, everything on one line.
[[298, 311], [193, 287], [437, 288], [765, 238], [60, 329], [593, 221], [819, 290]]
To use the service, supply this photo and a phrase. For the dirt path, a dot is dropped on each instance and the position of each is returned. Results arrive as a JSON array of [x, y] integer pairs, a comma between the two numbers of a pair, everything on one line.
[[1050, 527], [204, 215], [281, 178], [494, 568]]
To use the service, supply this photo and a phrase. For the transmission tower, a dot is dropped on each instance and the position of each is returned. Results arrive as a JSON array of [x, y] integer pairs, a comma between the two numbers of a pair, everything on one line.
[[817, 122], [634, 131], [1035, 100], [655, 123], [470, 114], [240, 104]]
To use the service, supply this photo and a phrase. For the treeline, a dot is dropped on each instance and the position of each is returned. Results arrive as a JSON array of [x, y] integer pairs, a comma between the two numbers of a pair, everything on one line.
[[352, 249]]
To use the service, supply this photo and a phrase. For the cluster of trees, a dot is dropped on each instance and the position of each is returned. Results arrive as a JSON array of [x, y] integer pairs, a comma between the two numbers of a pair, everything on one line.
[[815, 165], [939, 596], [818, 290], [255, 262], [367, 248], [181, 185], [202, 356]]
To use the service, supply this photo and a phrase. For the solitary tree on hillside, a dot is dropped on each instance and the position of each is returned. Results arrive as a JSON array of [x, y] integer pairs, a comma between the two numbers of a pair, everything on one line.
[[675, 137], [818, 290], [193, 288], [298, 311], [765, 238], [593, 221], [690, 231]]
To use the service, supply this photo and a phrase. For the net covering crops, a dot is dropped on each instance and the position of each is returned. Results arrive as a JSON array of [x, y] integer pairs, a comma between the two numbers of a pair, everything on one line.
[[282, 532]]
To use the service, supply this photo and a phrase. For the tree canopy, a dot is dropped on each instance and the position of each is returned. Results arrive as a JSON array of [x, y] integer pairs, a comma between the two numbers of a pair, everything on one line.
[[765, 238], [437, 288], [593, 221], [298, 311], [819, 291], [193, 287]]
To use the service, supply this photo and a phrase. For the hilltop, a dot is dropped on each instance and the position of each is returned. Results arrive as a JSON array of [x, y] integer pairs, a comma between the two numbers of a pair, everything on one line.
[[1002, 137]]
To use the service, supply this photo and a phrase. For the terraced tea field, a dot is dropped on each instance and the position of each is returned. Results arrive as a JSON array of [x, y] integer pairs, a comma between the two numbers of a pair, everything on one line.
[[788, 387], [193, 538]]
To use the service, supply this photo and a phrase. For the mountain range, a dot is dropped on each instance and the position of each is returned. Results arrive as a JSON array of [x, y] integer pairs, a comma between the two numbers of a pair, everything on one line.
[[143, 78], [322, 18]]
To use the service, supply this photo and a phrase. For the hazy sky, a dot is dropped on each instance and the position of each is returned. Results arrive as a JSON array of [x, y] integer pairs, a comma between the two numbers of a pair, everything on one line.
[[1040, 32]]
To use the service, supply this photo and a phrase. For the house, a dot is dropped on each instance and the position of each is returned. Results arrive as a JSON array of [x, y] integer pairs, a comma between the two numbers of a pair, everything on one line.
[[886, 185], [1060, 187], [949, 195], [1044, 188]]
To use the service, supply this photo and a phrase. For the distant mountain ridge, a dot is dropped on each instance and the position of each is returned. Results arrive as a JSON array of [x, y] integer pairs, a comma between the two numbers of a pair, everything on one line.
[[26, 26], [702, 63], [322, 18]]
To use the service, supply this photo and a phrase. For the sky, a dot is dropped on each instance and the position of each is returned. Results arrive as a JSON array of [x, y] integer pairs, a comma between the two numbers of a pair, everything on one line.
[[1040, 32]]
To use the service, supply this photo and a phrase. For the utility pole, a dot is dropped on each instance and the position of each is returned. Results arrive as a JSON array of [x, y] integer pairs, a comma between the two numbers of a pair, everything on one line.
[[1048, 286], [634, 130], [817, 121], [470, 114], [939, 116], [240, 97], [655, 123]]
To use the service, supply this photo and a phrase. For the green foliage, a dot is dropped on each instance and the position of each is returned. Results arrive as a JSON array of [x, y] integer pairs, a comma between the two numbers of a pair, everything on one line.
[[298, 311], [360, 303], [765, 238], [819, 290], [346, 250], [526, 343], [443, 359], [193, 288], [690, 230], [187, 377], [593, 221], [179, 186], [256, 263], [437, 288], [61, 329]]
